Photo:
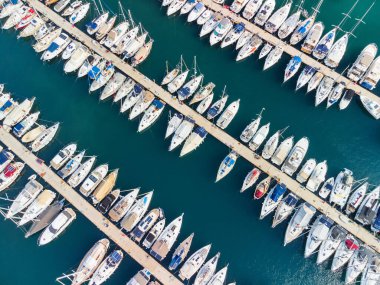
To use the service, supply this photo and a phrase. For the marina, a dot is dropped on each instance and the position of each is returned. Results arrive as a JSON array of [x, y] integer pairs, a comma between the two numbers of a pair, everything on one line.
[[303, 168]]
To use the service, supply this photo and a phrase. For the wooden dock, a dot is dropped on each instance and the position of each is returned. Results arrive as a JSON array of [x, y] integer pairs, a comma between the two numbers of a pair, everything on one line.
[[91, 213], [292, 51], [219, 134]]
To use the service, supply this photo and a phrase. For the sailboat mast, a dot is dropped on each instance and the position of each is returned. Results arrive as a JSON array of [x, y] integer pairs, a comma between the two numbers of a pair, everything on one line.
[[346, 15], [96, 7], [316, 9], [122, 11], [131, 18], [101, 7], [300, 5], [359, 21], [195, 66]]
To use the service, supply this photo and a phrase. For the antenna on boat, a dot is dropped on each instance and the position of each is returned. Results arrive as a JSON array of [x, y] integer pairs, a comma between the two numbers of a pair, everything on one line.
[[346, 15], [360, 20], [316, 9]]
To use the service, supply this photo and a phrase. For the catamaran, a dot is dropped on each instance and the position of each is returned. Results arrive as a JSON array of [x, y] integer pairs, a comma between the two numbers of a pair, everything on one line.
[[335, 236], [56, 47], [305, 76], [63, 156], [250, 130], [313, 38], [166, 240], [285, 209], [259, 137], [299, 222], [194, 262], [272, 200], [362, 63], [344, 252], [193, 141], [372, 76], [44, 138], [292, 67], [107, 268], [264, 12], [251, 8], [318, 233], [342, 188], [278, 18], [324, 89], [196, 12], [317, 176], [181, 133], [93, 180], [296, 155], [282, 151], [220, 31], [356, 198], [207, 271], [151, 114], [233, 35], [250, 179], [306, 170], [226, 165], [228, 114], [71, 165], [113, 85], [122, 207], [249, 48], [273, 57]]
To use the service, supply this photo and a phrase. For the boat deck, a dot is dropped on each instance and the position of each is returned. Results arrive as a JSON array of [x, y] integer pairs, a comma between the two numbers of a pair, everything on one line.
[[92, 214], [217, 133]]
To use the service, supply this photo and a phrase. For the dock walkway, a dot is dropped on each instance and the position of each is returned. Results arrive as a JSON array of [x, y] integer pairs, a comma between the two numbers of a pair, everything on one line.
[[291, 50], [84, 207], [216, 132]]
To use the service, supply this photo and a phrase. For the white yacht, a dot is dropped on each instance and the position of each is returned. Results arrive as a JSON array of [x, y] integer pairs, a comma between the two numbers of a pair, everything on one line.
[[202, 93], [210, 24], [190, 87], [90, 62], [166, 240], [113, 85], [337, 52], [175, 6], [356, 198], [69, 50], [79, 13], [302, 30], [305, 76], [317, 176], [264, 12], [292, 67], [102, 77], [324, 89], [115, 34], [371, 275], [141, 105], [189, 5], [194, 262], [368, 208], [181, 133], [207, 271], [71, 165], [271, 145], [233, 35], [63, 156], [249, 48], [326, 188], [250, 179], [272, 200], [72, 7], [371, 106], [18, 113], [324, 45], [265, 50], [196, 12], [204, 17], [243, 39], [217, 107], [105, 28], [290, 24], [44, 138], [91, 261], [107, 268], [296, 155], [282, 151], [317, 234], [220, 31], [312, 38], [134, 45], [362, 63], [250, 130], [251, 9], [278, 18], [173, 124], [136, 212], [273, 57], [93, 180], [151, 114], [335, 236], [95, 24], [344, 252], [285, 209], [141, 278], [372, 75], [342, 188], [153, 234], [238, 5], [27, 195], [306, 170], [33, 134], [193, 141], [123, 205], [146, 223], [170, 75], [43, 200], [9, 9], [226, 165], [259, 137], [177, 82], [219, 277], [357, 264], [314, 81], [34, 25], [132, 98], [299, 222], [205, 104], [44, 43], [228, 114], [82, 171], [124, 90], [57, 226]]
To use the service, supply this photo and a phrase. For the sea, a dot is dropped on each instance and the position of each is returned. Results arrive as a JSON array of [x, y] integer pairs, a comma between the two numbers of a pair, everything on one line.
[[216, 212]]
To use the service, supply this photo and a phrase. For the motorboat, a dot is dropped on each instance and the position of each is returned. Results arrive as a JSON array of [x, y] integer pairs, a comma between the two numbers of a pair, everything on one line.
[[296, 156], [43, 200], [250, 130], [196, 12], [206, 272], [69, 50], [60, 5], [91, 261], [33, 134], [10, 8], [108, 201], [326, 188], [173, 124], [141, 105], [189, 5], [202, 93], [25, 21], [151, 114], [193, 141], [56, 47], [264, 12], [356, 198], [228, 114], [282, 151], [317, 234], [95, 24], [175, 6], [249, 48], [278, 18], [107, 268], [259, 137], [362, 63], [368, 208], [346, 99], [334, 238], [71, 165], [262, 188], [243, 39], [273, 57], [238, 5], [166, 240], [285, 209], [371, 106], [34, 25], [312, 38], [204, 17], [220, 31], [93, 180], [292, 67], [81, 172], [210, 24], [104, 187], [357, 264], [57, 226], [344, 252], [194, 262], [272, 200], [79, 13], [5, 158], [317, 177], [250, 179], [226, 165], [153, 234], [306, 170], [132, 97], [299, 222], [72, 7], [142, 277], [219, 277], [251, 9], [305, 76], [265, 50], [44, 138], [324, 89], [233, 35], [122, 207], [63, 156], [44, 43], [147, 223], [342, 188], [16, 17], [217, 107], [136, 212], [181, 133], [89, 63], [372, 75]]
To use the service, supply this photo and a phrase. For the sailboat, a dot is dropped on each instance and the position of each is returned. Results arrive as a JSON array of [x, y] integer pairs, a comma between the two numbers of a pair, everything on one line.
[[151, 114], [228, 114], [264, 12], [292, 67], [335, 94], [123, 205], [313, 38], [273, 57], [369, 81], [314, 81], [250, 130], [238, 5], [207, 271], [305, 76], [181, 252], [196, 12], [259, 137], [282, 151], [317, 176], [226, 165], [99, 21], [290, 24], [338, 50], [356, 198], [250, 179], [251, 8], [318, 233], [249, 48], [170, 75], [191, 86], [285, 209], [194, 262], [218, 106], [174, 85], [202, 93], [278, 18], [334, 238], [272, 200], [362, 63], [233, 35]]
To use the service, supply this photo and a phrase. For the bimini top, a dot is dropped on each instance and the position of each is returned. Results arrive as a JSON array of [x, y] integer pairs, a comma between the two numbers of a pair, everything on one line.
[[92, 25], [239, 27], [53, 46], [115, 257], [137, 88], [94, 72], [4, 156], [278, 191], [201, 132], [6, 105], [352, 244], [326, 221], [291, 200]]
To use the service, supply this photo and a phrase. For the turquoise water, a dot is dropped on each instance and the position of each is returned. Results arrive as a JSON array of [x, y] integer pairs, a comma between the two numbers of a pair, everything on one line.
[[217, 213]]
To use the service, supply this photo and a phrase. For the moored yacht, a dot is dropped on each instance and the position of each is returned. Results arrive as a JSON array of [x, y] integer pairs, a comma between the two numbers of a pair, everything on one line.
[[285, 209], [337, 52], [250, 179], [194, 140], [210, 24], [335, 236], [228, 114], [93, 180], [205, 104], [273, 57], [290, 24], [189, 88], [272, 200], [344, 252], [44, 138], [314, 81], [346, 99], [371, 106], [181, 133], [131, 99], [292, 67], [194, 262], [312, 38], [217, 107], [81, 172], [178, 81], [317, 176], [227, 165], [342, 188], [153, 234], [115, 34], [302, 30], [243, 39], [238, 5], [79, 13], [196, 12], [305, 76], [141, 278], [306, 170], [233, 35], [262, 188], [324, 89], [122, 207], [265, 50], [175, 6], [356, 198], [202, 93], [71, 165], [18, 113], [220, 31], [326, 188], [173, 124], [105, 28], [282, 151], [107, 268], [368, 208], [259, 137], [296, 156], [264, 12], [371, 274], [63, 156], [219, 277], [317, 234], [249, 48], [205, 16], [362, 63], [77, 59], [278, 18], [151, 114], [95, 24], [250, 130], [113, 85], [181, 252], [207, 271], [372, 76], [251, 9], [104, 187], [147, 223], [357, 264], [141, 105]]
